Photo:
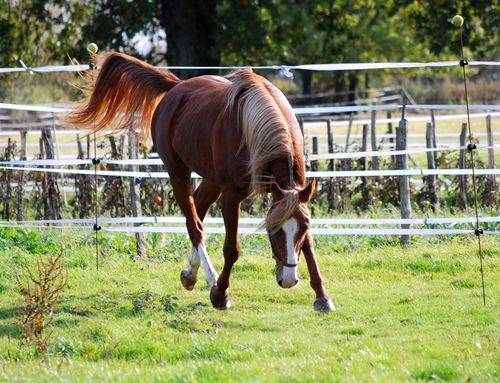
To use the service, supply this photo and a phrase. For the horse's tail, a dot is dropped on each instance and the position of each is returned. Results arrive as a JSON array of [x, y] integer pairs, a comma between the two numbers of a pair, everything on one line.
[[126, 90]]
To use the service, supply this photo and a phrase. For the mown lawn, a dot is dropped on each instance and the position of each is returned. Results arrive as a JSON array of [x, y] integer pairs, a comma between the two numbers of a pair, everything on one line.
[[403, 314]]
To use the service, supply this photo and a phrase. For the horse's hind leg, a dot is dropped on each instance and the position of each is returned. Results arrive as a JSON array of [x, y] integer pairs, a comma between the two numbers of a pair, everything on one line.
[[204, 196]]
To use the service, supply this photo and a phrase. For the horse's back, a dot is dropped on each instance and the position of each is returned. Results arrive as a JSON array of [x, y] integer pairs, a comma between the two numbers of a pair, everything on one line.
[[190, 125]]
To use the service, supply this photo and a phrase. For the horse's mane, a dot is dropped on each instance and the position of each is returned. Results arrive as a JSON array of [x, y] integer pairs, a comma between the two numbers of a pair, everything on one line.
[[266, 132], [267, 136]]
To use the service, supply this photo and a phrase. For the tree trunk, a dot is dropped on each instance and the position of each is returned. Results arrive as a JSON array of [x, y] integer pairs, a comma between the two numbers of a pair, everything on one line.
[[306, 76], [191, 34], [353, 88]]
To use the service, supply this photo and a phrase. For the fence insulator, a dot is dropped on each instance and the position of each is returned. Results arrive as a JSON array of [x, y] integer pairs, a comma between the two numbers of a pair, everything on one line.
[[471, 147]]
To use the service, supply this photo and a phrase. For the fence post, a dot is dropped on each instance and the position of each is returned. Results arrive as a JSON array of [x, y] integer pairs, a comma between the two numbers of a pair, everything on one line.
[[431, 164], [57, 155], [20, 180], [332, 195], [490, 197], [301, 125], [433, 121], [53, 195], [9, 155], [349, 128], [404, 182], [375, 160], [365, 192], [314, 163], [462, 180], [40, 203], [390, 132], [135, 196], [83, 193]]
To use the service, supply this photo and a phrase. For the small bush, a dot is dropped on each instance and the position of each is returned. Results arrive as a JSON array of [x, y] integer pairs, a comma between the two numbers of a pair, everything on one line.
[[41, 292]]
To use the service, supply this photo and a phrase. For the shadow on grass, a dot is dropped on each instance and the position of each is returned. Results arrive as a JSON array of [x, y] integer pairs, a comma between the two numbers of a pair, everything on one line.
[[437, 373]]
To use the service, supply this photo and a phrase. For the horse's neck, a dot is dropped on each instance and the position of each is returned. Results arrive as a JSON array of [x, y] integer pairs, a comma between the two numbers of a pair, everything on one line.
[[284, 172]]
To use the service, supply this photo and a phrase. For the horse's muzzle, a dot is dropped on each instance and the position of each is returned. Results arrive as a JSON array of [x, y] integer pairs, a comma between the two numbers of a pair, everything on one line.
[[287, 277]]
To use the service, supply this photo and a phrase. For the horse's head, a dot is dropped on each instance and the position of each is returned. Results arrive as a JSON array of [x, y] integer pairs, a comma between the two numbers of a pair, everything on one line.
[[287, 224]]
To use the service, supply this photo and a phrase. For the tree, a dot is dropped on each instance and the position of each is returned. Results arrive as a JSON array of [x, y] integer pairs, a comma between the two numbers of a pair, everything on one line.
[[191, 27], [248, 32], [429, 22]]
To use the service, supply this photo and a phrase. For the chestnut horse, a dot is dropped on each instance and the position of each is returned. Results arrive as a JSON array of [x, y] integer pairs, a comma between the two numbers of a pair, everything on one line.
[[239, 134]]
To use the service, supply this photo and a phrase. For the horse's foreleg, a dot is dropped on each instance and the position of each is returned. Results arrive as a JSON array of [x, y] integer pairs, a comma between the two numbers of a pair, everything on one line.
[[204, 196], [323, 301], [230, 206], [180, 179]]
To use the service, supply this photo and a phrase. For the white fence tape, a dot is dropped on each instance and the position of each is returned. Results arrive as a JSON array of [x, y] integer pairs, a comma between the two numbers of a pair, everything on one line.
[[159, 162], [249, 230], [47, 69], [317, 174], [299, 111], [286, 68], [317, 110], [34, 108], [258, 221]]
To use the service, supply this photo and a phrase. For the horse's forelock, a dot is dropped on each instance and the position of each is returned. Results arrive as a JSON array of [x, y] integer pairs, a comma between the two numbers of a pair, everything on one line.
[[284, 209]]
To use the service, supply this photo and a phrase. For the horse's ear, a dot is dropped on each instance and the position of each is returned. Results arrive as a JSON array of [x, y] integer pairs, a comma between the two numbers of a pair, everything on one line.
[[306, 194]]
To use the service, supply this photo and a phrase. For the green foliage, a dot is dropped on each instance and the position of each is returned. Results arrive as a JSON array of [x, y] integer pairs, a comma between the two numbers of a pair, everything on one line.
[[32, 241]]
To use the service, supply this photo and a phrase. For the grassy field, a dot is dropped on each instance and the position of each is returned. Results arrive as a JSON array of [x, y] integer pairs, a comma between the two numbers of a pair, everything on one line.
[[412, 314]]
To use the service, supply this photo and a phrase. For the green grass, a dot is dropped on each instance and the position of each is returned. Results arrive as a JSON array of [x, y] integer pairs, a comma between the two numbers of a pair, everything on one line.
[[410, 314]]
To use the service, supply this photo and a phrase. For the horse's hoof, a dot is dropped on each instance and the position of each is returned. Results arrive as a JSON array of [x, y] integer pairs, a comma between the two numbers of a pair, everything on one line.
[[324, 304], [219, 300], [187, 281]]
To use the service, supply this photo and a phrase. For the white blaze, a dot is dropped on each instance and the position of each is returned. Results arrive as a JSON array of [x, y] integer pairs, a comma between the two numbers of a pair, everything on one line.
[[290, 228]]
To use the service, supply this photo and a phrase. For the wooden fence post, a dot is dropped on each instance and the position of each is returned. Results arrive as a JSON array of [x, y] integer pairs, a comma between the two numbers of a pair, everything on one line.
[[374, 146], [390, 132], [433, 121], [115, 194], [20, 180], [314, 163], [431, 164], [404, 182], [332, 195], [462, 179], [7, 195], [301, 125], [490, 198], [57, 154], [40, 201], [365, 192], [52, 188], [83, 192], [349, 128], [135, 196]]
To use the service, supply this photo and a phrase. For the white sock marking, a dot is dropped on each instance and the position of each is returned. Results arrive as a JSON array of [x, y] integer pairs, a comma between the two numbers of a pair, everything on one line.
[[211, 275], [194, 263]]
